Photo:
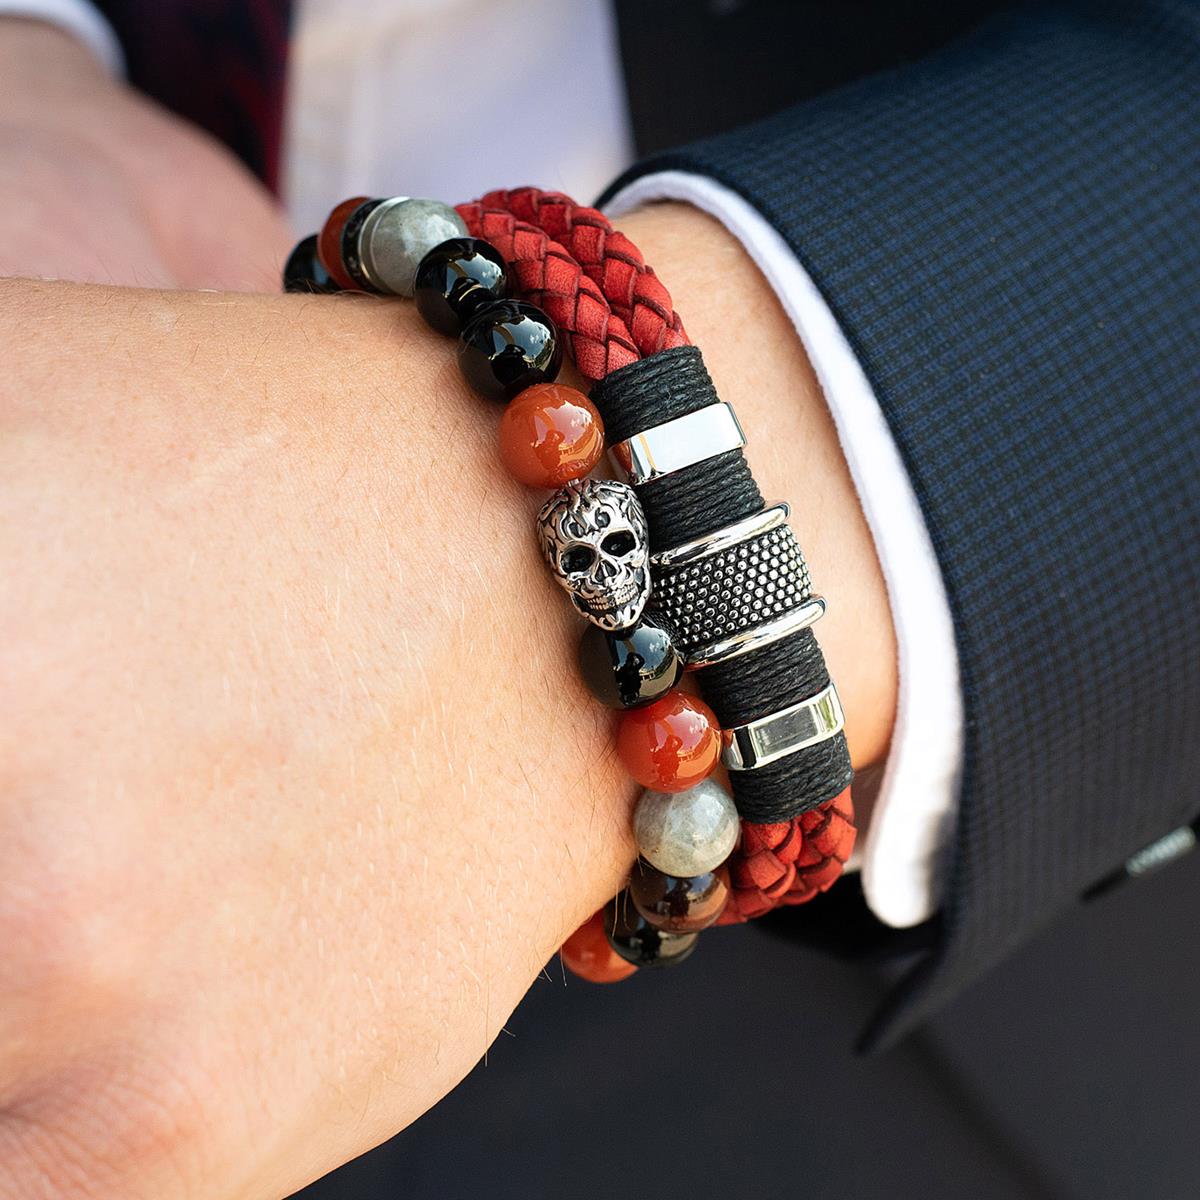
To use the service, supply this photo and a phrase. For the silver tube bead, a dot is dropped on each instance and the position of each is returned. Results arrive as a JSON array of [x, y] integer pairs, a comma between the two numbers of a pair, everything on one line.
[[693, 438], [781, 733]]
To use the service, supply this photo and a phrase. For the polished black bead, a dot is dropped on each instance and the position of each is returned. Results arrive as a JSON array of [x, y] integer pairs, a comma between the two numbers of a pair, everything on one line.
[[637, 941], [631, 667], [509, 346], [456, 279], [303, 271], [678, 903]]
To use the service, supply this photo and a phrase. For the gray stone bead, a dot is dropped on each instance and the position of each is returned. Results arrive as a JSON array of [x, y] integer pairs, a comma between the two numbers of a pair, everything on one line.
[[398, 234], [686, 833]]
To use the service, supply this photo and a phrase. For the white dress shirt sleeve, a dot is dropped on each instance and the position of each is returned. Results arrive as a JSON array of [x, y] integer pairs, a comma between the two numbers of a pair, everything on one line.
[[77, 17], [914, 817]]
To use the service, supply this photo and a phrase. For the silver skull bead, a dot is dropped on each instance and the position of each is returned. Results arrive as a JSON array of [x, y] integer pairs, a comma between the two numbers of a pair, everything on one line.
[[593, 534]]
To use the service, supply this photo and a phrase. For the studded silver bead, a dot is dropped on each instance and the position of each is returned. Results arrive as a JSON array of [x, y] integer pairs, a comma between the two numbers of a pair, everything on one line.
[[740, 586], [397, 235]]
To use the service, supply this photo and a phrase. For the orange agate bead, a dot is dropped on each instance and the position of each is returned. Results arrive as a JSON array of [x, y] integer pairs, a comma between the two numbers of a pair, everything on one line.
[[670, 745], [549, 435], [589, 955], [329, 242]]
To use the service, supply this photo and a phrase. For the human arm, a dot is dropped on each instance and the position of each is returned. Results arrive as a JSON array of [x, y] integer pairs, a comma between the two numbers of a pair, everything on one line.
[[301, 788]]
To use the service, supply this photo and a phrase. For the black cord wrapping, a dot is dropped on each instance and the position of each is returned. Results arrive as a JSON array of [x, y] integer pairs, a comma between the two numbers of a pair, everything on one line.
[[700, 498], [689, 504]]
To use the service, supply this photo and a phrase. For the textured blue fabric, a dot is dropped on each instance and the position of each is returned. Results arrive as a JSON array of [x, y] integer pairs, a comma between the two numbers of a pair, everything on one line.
[[1009, 233]]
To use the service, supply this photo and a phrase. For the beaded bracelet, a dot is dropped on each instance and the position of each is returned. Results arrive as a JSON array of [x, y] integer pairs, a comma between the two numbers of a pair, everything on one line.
[[725, 595]]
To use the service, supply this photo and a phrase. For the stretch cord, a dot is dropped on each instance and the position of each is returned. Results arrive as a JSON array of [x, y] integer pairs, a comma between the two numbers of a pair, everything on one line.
[[620, 322]]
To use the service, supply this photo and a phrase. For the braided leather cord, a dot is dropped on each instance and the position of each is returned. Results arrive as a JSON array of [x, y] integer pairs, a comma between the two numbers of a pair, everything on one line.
[[608, 258], [547, 275], [593, 282], [790, 862]]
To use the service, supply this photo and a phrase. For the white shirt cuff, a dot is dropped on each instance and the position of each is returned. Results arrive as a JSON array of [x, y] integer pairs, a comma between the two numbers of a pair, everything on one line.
[[77, 17], [913, 821]]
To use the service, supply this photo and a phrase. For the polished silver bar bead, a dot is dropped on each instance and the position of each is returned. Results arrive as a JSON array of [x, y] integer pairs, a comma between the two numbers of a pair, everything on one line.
[[775, 630], [770, 738], [721, 539], [396, 235], [693, 438]]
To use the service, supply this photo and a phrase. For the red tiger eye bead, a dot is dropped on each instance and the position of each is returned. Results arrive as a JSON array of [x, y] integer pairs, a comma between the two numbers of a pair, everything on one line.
[[671, 744], [549, 435], [589, 955], [329, 242]]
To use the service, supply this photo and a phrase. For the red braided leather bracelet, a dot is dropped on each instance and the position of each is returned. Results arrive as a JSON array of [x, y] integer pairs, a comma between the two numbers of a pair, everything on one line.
[[595, 286], [782, 862], [607, 257]]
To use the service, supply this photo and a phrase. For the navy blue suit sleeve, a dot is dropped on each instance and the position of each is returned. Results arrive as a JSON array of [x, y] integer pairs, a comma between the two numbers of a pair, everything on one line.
[[1009, 233]]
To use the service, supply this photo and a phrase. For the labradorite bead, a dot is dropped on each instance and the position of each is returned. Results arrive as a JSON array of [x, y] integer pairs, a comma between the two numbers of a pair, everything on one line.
[[632, 666], [686, 833], [397, 235], [678, 904], [455, 279], [639, 942], [507, 347], [303, 271]]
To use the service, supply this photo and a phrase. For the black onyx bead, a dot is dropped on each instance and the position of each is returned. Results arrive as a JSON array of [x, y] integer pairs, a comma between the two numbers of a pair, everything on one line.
[[631, 667], [303, 271], [456, 279], [508, 346], [637, 941]]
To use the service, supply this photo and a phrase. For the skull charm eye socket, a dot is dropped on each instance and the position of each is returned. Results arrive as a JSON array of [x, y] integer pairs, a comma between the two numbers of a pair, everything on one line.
[[576, 560], [594, 538], [619, 544]]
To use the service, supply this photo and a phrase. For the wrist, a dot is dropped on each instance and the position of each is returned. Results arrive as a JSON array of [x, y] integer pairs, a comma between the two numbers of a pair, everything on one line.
[[315, 483]]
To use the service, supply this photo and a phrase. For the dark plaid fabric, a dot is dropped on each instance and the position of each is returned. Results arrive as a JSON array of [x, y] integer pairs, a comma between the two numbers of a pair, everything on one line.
[[1009, 234], [220, 63]]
